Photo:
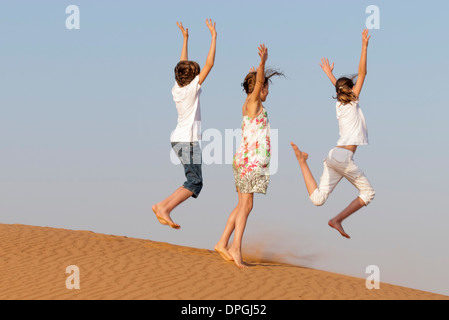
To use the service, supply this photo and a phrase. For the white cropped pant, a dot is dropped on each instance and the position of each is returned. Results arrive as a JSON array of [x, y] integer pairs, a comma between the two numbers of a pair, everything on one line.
[[338, 164]]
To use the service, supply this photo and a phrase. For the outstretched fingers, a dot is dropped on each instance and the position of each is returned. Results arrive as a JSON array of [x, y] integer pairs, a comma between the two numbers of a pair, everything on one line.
[[211, 25], [325, 63], [326, 66], [263, 52], [185, 32], [366, 36]]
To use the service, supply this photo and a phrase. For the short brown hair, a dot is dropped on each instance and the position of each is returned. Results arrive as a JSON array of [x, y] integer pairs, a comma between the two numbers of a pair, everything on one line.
[[186, 71], [343, 87]]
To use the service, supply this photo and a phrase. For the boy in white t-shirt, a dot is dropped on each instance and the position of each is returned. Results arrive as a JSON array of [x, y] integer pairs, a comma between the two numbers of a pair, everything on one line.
[[353, 133], [185, 138]]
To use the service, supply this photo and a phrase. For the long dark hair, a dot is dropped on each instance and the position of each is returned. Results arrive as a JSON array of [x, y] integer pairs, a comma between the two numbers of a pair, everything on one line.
[[343, 87], [250, 80]]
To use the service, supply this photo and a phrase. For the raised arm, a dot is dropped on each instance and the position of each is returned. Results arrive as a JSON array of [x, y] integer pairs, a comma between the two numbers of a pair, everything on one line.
[[327, 68], [362, 65], [211, 56], [185, 34], [254, 103], [260, 77]]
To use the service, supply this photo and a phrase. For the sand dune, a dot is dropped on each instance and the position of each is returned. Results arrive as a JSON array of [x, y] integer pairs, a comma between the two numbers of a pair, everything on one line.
[[33, 262]]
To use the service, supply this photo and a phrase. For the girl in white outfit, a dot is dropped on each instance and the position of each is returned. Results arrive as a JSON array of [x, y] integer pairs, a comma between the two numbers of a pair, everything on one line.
[[353, 133]]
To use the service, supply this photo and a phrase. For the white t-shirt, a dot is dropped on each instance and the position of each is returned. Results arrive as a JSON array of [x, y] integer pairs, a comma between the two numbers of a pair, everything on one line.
[[187, 100], [352, 125]]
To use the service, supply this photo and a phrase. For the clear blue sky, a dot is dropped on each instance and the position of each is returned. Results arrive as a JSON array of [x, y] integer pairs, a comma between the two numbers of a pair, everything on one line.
[[86, 117]]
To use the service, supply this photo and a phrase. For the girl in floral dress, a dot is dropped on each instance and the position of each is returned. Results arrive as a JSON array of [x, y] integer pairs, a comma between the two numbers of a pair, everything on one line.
[[252, 159]]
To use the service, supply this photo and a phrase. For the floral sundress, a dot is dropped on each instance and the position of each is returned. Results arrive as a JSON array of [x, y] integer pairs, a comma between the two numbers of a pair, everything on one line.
[[252, 159]]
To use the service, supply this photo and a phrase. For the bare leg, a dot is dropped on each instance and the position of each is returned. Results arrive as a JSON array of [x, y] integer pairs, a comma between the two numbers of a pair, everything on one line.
[[302, 157], [235, 250], [164, 203], [336, 221], [222, 244], [163, 209]]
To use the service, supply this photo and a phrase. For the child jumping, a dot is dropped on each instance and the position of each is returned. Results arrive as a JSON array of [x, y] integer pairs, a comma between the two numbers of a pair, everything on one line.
[[353, 133], [185, 138], [251, 161]]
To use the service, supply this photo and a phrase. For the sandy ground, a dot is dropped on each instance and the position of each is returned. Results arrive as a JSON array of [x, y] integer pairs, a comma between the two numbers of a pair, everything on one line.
[[33, 263]]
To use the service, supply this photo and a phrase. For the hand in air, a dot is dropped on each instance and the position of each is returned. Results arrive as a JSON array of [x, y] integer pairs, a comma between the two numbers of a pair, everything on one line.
[[185, 32], [365, 37], [263, 53], [211, 26], [327, 68]]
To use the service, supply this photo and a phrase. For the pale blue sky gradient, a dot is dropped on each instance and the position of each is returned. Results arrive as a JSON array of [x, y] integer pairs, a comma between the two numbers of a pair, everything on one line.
[[86, 117]]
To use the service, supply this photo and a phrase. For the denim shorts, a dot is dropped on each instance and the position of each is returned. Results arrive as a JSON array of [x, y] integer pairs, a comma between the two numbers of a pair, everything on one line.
[[190, 155]]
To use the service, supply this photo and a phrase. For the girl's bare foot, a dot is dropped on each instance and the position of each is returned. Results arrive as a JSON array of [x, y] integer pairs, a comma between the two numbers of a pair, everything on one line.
[[237, 257], [337, 225], [300, 155], [223, 252], [164, 217]]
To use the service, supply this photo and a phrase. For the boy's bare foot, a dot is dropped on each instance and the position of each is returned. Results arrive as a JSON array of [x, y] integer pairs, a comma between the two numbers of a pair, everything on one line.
[[337, 225], [223, 252], [237, 257], [164, 218], [300, 155]]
